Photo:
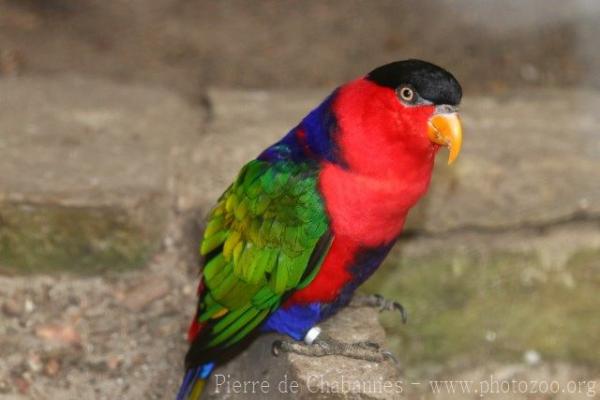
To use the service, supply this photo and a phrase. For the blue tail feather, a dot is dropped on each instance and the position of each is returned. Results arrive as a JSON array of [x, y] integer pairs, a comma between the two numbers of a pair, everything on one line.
[[194, 381]]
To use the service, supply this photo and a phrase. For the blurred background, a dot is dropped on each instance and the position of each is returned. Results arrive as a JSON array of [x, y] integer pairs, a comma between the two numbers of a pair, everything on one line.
[[122, 121]]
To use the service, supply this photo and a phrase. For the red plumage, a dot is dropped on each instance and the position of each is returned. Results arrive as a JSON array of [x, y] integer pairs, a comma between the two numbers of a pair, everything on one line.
[[368, 199], [332, 276]]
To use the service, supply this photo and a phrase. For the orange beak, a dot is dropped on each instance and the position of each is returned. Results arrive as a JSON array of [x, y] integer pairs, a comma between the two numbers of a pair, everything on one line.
[[445, 129]]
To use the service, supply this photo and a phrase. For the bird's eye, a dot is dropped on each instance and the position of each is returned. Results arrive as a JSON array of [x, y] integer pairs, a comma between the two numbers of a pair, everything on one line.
[[407, 94]]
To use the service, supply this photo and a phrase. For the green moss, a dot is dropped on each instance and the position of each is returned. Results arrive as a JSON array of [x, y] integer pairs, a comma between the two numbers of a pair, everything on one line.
[[496, 307], [84, 240]]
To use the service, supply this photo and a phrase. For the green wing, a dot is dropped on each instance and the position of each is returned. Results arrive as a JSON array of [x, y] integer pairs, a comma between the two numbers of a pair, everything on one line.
[[266, 236]]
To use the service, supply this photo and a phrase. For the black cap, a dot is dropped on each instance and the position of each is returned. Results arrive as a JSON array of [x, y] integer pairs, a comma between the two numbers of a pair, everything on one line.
[[433, 83]]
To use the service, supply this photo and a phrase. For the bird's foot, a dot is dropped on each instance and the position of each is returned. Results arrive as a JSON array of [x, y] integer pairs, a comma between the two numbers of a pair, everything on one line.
[[327, 346], [379, 302]]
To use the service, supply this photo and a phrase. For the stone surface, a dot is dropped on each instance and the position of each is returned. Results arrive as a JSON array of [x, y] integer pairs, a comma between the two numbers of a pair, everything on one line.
[[455, 307], [472, 294], [85, 171], [301, 44], [103, 162], [512, 171], [103, 349], [296, 376], [241, 124], [529, 159]]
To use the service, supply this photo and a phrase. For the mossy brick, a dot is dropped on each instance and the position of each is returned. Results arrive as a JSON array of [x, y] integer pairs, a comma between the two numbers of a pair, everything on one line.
[[495, 296], [87, 172], [46, 238]]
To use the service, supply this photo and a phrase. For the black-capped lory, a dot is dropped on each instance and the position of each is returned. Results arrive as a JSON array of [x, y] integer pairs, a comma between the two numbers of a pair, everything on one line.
[[312, 217]]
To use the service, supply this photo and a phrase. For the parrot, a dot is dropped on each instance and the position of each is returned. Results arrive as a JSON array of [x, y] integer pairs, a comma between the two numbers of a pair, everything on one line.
[[307, 221]]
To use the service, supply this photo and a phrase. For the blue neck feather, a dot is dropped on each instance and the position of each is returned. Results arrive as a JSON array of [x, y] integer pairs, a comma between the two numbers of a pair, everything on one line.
[[313, 139]]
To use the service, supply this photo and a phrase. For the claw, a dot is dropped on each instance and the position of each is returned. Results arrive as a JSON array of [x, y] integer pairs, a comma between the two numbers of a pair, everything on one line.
[[382, 304], [276, 347], [387, 305], [390, 356], [403, 312]]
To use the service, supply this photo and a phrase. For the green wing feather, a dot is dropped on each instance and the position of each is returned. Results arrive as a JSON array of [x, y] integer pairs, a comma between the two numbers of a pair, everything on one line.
[[266, 236]]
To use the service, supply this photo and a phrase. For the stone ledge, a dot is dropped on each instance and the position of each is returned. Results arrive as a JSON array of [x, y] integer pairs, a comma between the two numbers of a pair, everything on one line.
[[329, 377], [86, 171], [129, 153], [528, 159]]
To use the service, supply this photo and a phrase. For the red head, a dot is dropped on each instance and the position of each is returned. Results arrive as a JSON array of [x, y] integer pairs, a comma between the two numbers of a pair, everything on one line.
[[390, 125], [397, 117]]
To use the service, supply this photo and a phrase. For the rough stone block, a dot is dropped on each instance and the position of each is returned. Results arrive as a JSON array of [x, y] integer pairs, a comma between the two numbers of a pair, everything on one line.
[[85, 171], [301, 377], [528, 160]]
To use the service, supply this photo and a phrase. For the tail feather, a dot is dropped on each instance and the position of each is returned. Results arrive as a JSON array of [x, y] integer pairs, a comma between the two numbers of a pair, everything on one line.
[[194, 381]]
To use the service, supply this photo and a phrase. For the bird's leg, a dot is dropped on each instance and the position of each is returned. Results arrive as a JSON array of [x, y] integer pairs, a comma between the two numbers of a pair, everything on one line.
[[318, 344], [380, 302]]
